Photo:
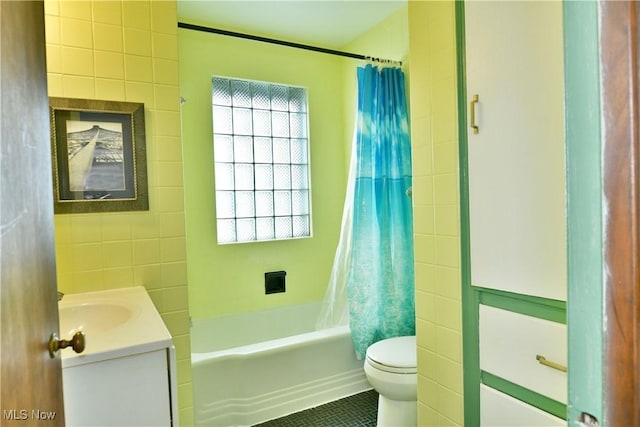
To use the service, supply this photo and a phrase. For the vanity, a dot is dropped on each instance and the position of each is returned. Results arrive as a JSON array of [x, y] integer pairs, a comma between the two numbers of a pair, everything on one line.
[[126, 375]]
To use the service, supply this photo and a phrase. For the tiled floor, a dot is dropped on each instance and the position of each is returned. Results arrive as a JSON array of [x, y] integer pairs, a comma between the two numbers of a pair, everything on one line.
[[357, 410]]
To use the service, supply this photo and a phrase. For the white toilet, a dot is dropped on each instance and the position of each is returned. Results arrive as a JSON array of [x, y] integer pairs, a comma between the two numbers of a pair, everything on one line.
[[390, 367]]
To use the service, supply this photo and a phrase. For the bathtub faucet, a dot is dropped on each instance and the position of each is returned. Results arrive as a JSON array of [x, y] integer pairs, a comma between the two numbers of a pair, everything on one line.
[[60, 295]]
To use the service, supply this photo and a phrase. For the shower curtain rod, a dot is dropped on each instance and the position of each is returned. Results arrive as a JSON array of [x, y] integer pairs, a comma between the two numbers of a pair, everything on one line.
[[285, 43]]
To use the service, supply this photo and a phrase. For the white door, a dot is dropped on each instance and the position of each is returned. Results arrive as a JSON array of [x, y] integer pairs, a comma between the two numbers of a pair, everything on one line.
[[514, 60]]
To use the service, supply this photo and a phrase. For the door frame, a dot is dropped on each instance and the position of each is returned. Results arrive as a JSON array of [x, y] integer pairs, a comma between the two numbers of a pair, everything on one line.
[[620, 148], [601, 48], [585, 234]]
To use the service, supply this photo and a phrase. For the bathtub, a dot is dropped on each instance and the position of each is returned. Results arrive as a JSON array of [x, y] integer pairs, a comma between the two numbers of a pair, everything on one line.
[[253, 367]]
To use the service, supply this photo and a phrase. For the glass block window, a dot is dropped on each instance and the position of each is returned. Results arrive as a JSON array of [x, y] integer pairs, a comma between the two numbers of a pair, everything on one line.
[[261, 156]]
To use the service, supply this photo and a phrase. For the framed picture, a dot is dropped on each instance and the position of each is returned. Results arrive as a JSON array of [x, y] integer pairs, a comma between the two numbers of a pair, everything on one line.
[[99, 157]]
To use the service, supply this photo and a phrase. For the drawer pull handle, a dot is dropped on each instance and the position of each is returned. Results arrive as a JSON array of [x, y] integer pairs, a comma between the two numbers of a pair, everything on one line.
[[543, 361], [472, 108]]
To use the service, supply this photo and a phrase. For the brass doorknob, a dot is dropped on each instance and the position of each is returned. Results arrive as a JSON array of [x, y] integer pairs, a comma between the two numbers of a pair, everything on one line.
[[76, 343]]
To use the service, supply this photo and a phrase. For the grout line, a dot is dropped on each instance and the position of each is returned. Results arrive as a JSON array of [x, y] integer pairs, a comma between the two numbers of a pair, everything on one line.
[[356, 410]]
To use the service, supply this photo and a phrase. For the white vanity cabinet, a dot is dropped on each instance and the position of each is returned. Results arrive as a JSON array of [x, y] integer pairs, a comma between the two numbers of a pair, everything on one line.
[[516, 196], [133, 390], [127, 375]]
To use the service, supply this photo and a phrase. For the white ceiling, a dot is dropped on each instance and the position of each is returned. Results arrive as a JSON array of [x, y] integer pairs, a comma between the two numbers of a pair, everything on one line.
[[328, 23]]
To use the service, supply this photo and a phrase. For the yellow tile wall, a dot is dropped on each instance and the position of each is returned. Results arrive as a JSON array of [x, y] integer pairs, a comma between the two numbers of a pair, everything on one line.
[[127, 51], [436, 212]]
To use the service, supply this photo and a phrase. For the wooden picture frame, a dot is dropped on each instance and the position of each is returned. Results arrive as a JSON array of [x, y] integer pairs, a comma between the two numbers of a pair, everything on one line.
[[99, 156]]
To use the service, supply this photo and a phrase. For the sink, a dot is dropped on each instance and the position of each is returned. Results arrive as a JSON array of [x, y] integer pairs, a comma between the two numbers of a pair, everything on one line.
[[116, 323], [93, 317]]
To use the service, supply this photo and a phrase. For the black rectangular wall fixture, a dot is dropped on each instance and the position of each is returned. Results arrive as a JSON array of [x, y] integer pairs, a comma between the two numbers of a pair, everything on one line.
[[274, 282]]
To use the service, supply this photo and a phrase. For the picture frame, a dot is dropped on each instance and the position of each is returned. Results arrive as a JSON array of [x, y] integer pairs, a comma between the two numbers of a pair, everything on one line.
[[98, 155]]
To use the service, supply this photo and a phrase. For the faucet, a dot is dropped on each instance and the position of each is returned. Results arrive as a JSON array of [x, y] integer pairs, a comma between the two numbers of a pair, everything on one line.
[[60, 295]]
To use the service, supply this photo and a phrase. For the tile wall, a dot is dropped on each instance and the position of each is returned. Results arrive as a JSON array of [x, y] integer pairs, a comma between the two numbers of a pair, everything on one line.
[[127, 51], [436, 212]]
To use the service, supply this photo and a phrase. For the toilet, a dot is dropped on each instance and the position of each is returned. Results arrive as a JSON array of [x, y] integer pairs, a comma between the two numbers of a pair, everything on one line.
[[390, 367]]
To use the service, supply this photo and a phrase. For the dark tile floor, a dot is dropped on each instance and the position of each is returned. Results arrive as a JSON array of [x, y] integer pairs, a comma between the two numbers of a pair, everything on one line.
[[358, 410]]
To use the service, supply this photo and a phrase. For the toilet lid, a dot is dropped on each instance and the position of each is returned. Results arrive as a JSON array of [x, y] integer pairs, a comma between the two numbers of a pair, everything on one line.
[[394, 355]]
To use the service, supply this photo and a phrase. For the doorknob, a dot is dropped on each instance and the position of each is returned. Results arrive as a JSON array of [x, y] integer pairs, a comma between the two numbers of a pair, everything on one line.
[[76, 343]]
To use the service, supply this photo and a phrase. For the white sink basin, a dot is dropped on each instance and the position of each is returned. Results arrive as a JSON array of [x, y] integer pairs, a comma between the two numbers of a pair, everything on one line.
[[92, 317], [116, 323]]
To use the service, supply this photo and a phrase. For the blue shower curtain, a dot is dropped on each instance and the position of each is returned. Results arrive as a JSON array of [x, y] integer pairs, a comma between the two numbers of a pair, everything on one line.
[[380, 283]]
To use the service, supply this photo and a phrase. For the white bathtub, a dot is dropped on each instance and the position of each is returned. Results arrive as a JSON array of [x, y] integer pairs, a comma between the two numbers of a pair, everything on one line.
[[253, 367]]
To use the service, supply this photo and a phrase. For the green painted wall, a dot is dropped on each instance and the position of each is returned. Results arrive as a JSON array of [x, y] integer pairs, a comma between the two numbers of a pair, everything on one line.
[[227, 279], [230, 278]]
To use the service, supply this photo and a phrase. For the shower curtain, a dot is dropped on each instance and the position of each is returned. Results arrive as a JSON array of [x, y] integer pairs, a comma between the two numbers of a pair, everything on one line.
[[373, 265]]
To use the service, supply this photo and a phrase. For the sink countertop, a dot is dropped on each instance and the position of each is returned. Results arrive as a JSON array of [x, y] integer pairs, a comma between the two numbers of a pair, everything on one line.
[[137, 326]]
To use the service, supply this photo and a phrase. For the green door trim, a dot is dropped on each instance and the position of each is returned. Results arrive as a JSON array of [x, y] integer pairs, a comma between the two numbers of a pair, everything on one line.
[[541, 308], [470, 298], [584, 210]]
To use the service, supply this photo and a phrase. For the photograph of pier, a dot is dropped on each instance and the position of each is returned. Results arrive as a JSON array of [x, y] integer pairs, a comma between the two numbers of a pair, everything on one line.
[[98, 155], [95, 156]]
